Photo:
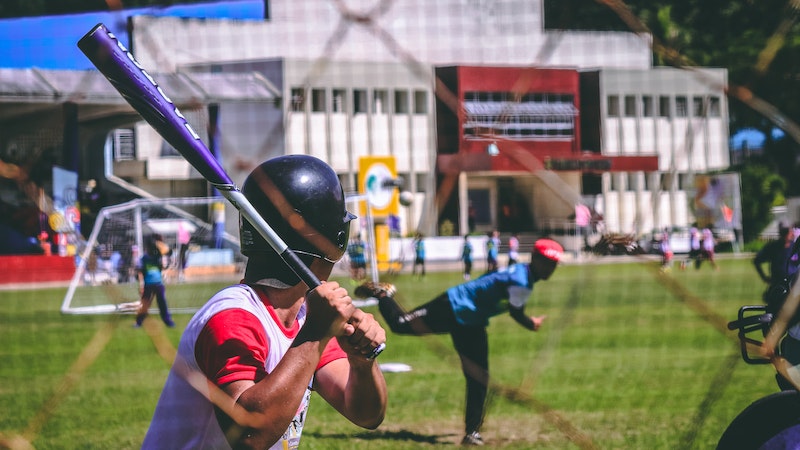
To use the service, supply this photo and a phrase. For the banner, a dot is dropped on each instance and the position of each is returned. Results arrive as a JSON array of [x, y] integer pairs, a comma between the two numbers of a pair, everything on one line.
[[377, 175], [717, 201]]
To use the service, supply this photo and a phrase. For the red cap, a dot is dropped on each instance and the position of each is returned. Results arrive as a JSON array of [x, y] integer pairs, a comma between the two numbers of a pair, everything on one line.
[[548, 248]]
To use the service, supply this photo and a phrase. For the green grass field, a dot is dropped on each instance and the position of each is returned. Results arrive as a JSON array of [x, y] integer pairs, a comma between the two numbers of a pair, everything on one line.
[[627, 359]]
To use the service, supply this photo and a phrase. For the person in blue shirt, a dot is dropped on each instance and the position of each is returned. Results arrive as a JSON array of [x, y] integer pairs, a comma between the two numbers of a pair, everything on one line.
[[419, 254], [356, 251], [151, 282], [466, 258], [464, 311]]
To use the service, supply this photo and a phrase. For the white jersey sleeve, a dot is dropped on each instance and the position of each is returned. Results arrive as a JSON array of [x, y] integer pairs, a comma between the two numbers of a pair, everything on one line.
[[518, 296]]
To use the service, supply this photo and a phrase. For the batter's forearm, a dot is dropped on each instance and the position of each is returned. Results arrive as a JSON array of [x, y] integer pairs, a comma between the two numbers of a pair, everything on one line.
[[365, 393]]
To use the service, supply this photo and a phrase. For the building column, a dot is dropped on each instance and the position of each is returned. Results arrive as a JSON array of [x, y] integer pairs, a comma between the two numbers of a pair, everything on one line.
[[463, 203]]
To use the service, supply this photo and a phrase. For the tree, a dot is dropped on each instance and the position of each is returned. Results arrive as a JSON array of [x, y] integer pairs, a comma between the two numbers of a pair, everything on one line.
[[761, 190], [757, 41]]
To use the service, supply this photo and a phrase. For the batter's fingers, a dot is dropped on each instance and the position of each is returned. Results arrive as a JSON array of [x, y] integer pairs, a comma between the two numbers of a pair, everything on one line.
[[368, 337]]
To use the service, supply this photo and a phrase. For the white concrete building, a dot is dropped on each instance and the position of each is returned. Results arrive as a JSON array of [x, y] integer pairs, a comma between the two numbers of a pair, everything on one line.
[[361, 82]]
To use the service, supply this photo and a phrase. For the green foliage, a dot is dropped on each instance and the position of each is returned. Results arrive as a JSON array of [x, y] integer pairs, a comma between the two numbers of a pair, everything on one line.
[[761, 190], [447, 228], [627, 359]]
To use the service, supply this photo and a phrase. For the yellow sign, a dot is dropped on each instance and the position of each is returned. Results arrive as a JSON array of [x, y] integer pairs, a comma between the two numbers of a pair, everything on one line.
[[376, 178]]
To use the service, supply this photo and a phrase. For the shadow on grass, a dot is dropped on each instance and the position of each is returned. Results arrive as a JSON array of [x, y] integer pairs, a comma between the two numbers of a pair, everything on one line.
[[402, 435]]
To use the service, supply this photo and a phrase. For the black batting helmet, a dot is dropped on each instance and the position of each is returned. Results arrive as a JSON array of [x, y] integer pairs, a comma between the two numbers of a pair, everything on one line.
[[301, 198]]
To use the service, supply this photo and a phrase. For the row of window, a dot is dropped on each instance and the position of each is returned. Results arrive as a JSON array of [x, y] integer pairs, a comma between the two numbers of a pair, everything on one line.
[[630, 181], [360, 101], [520, 131], [528, 97], [534, 116], [663, 106]]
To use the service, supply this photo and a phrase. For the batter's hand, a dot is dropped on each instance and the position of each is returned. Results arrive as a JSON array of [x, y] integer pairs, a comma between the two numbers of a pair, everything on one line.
[[367, 335], [329, 309]]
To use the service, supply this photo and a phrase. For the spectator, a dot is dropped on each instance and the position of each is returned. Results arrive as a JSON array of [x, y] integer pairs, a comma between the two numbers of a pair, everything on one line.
[[184, 238], [466, 258], [583, 219], [492, 251], [513, 249], [419, 254], [92, 199], [695, 252], [665, 249], [356, 251], [151, 283], [777, 255], [707, 245]]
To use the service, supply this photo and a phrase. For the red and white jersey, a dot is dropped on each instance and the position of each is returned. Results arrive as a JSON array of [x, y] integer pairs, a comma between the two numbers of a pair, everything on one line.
[[184, 417]]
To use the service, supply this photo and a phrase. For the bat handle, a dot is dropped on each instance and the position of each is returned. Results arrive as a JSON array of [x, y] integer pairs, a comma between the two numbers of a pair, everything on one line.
[[300, 269]]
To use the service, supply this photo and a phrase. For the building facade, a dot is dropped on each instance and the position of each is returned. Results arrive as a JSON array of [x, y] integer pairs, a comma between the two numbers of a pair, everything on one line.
[[439, 89]]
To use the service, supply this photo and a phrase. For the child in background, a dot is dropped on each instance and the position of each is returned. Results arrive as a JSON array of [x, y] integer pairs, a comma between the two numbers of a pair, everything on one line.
[[151, 283]]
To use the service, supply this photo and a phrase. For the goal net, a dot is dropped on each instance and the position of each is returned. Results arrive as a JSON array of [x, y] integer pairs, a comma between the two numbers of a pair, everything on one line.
[[201, 259], [105, 280]]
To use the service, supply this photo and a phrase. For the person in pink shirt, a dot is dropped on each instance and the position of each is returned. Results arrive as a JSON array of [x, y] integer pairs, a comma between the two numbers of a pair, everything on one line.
[[707, 244]]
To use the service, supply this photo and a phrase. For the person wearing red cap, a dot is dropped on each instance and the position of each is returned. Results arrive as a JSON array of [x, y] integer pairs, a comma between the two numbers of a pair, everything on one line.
[[464, 311]]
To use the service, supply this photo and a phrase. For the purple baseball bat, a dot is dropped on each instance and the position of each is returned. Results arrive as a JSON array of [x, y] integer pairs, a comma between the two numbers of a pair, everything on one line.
[[144, 94]]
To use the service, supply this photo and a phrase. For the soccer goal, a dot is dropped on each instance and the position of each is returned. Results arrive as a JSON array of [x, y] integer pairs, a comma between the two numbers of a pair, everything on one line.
[[201, 255]]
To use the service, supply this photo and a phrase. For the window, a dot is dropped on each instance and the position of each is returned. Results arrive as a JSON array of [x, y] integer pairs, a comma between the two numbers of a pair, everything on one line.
[[339, 100], [667, 181], [613, 106], [124, 148], [400, 102], [663, 106], [632, 181], [681, 106], [714, 109], [698, 109], [630, 106], [647, 106], [685, 181], [525, 117], [422, 182], [359, 101], [298, 99], [380, 101], [420, 102], [318, 103]]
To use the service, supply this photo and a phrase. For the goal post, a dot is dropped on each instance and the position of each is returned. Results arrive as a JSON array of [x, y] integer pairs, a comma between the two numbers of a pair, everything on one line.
[[105, 276], [365, 226]]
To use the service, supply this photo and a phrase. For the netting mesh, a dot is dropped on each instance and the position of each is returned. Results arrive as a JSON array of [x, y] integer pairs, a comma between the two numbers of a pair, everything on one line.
[[626, 346]]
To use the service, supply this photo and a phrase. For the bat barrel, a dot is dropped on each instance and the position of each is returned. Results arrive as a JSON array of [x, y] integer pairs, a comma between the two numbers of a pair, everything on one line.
[[144, 94]]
